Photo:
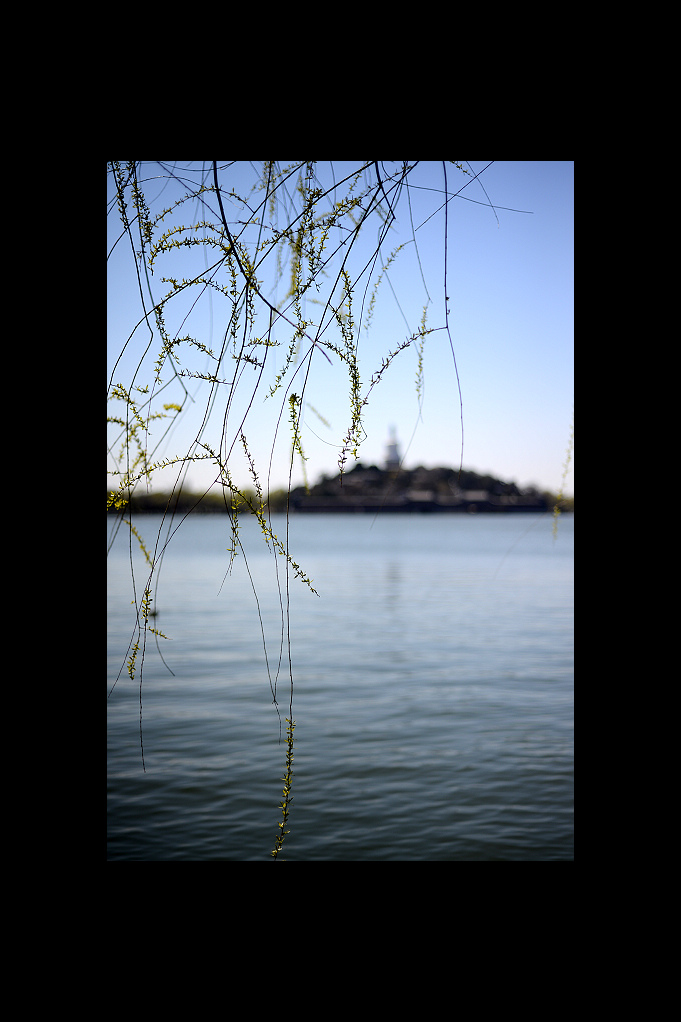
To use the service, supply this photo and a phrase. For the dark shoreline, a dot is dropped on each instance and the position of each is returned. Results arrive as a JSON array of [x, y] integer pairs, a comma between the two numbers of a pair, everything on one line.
[[195, 504], [370, 490]]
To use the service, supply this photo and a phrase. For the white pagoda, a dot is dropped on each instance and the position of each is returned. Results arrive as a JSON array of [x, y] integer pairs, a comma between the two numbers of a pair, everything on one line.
[[392, 453]]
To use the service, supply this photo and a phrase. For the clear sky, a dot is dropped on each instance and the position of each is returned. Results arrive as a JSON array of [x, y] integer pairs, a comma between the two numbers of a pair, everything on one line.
[[509, 273]]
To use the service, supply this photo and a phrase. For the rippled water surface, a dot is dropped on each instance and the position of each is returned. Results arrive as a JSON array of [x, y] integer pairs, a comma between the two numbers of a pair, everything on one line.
[[433, 692]]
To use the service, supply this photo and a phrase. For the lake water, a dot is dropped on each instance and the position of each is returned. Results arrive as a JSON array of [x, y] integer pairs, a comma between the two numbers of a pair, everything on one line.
[[433, 692]]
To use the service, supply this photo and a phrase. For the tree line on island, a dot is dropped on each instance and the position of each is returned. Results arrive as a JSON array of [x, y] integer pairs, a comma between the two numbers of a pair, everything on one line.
[[371, 489]]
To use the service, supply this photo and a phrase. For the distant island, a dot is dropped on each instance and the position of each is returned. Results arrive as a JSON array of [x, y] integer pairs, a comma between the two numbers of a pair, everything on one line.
[[369, 489]]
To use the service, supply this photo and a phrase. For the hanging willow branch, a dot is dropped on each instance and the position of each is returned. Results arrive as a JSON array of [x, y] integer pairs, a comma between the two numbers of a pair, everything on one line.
[[296, 264]]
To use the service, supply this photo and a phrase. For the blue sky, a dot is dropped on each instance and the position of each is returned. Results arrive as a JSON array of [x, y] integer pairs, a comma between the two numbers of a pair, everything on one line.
[[510, 288]]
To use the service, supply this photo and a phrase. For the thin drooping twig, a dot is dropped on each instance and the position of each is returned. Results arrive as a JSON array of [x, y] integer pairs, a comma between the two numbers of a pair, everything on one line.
[[449, 333]]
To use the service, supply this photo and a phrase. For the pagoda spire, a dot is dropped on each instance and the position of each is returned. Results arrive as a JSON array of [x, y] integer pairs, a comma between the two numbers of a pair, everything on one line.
[[392, 452]]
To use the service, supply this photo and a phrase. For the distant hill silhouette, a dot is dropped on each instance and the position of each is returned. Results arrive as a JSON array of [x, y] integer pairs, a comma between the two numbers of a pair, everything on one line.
[[371, 489], [419, 489]]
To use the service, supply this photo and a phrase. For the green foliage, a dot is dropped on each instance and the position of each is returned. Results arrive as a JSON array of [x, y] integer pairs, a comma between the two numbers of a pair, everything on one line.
[[560, 499], [139, 639], [142, 546], [288, 797], [294, 402]]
